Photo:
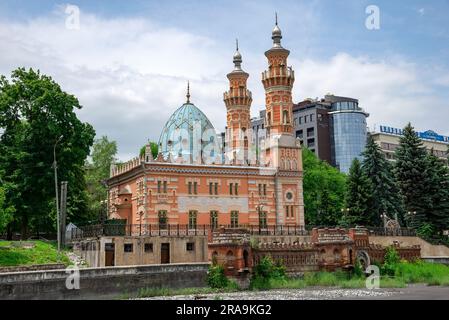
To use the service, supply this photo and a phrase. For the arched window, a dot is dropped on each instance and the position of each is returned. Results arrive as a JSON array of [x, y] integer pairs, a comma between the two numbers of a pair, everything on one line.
[[295, 165], [245, 258], [285, 117], [269, 118], [337, 255], [229, 259]]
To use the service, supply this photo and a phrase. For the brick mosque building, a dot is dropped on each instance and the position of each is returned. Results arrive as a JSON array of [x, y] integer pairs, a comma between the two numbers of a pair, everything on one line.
[[193, 183], [196, 203]]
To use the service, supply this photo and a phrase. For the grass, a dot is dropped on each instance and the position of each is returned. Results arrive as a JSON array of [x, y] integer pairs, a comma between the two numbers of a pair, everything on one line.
[[12, 253], [423, 272], [405, 273]]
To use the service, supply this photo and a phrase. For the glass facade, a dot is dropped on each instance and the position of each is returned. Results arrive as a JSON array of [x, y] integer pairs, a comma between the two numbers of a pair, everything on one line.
[[348, 134]]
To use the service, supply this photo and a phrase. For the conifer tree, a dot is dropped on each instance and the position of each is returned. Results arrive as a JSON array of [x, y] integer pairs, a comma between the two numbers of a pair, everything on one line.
[[437, 174], [411, 175], [358, 196], [385, 194]]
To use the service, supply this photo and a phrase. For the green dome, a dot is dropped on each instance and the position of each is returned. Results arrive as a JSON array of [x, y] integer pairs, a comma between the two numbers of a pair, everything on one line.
[[183, 131]]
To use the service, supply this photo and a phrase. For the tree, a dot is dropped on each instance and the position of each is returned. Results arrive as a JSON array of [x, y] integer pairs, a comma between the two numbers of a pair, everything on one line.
[[97, 171], [411, 175], [154, 149], [6, 212], [385, 193], [358, 196], [324, 191], [34, 113], [437, 174]]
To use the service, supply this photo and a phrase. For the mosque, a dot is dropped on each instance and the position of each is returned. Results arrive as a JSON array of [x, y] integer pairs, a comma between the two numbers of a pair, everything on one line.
[[194, 181]]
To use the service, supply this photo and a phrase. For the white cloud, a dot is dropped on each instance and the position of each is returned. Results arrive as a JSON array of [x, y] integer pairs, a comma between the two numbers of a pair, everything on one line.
[[130, 75], [393, 92]]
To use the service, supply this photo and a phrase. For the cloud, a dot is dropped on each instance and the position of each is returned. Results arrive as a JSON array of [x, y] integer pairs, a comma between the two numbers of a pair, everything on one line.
[[393, 92], [130, 74]]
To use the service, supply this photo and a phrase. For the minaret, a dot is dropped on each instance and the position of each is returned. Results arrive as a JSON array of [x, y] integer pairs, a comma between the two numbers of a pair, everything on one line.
[[283, 151], [278, 82], [238, 119]]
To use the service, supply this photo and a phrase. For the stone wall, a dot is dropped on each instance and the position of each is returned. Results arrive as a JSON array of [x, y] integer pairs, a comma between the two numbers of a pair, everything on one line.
[[50, 266], [143, 250], [427, 249], [101, 283], [297, 258]]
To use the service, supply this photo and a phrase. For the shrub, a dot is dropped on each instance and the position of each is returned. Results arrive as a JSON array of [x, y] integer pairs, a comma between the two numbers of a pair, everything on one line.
[[358, 271], [267, 271], [216, 277], [390, 262]]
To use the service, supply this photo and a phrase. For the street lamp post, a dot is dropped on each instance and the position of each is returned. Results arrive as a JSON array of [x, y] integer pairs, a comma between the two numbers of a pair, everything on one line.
[[58, 227], [384, 216], [345, 212], [411, 216]]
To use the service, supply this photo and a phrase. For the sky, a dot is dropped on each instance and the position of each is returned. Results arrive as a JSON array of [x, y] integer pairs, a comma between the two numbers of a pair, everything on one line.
[[128, 62]]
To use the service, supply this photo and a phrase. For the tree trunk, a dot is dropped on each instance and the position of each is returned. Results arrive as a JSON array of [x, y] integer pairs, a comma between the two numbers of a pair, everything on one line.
[[24, 228], [9, 231]]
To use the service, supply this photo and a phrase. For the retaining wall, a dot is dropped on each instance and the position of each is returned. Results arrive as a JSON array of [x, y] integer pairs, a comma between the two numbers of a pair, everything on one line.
[[101, 283]]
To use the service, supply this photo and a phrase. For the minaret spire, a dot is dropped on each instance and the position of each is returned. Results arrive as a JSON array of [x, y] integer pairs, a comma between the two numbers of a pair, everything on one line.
[[276, 35], [237, 59], [188, 92]]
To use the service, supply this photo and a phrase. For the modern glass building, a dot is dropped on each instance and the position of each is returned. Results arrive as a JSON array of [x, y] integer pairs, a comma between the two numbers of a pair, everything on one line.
[[348, 130]]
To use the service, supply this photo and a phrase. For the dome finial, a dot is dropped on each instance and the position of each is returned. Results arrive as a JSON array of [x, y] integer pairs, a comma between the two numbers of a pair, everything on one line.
[[188, 92], [276, 35], [237, 59]]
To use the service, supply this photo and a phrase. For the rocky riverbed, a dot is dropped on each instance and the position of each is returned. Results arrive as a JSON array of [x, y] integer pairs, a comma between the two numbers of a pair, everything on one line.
[[289, 294]]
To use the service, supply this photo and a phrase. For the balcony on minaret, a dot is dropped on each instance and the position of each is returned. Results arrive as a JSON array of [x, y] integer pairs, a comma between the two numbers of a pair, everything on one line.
[[238, 97]]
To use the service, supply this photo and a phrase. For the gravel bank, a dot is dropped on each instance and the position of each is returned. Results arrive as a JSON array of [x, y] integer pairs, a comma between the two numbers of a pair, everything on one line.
[[289, 294]]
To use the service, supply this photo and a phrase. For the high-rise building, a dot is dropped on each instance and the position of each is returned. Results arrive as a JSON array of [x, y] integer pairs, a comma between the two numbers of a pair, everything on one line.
[[334, 128], [348, 130], [388, 140], [312, 127]]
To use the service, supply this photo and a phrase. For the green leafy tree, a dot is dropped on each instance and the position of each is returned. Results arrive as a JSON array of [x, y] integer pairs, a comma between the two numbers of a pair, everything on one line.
[[385, 192], [6, 212], [97, 172], [324, 191], [154, 149], [358, 196], [34, 113], [411, 175]]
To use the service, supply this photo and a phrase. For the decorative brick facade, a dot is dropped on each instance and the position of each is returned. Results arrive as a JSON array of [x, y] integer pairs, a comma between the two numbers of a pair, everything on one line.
[[238, 191]]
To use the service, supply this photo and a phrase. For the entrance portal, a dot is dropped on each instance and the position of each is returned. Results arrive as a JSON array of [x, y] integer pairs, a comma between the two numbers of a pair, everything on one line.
[[165, 253], [109, 250]]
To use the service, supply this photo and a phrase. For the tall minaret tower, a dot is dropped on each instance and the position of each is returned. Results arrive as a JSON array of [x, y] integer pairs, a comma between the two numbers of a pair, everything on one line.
[[278, 82], [238, 119], [283, 150]]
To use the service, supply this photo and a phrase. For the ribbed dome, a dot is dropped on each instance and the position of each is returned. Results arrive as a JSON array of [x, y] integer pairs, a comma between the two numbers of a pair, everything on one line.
[[183, 131]]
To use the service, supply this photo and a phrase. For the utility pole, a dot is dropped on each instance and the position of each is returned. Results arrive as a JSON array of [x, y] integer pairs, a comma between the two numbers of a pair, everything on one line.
[[63, 211], [55, 166]]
